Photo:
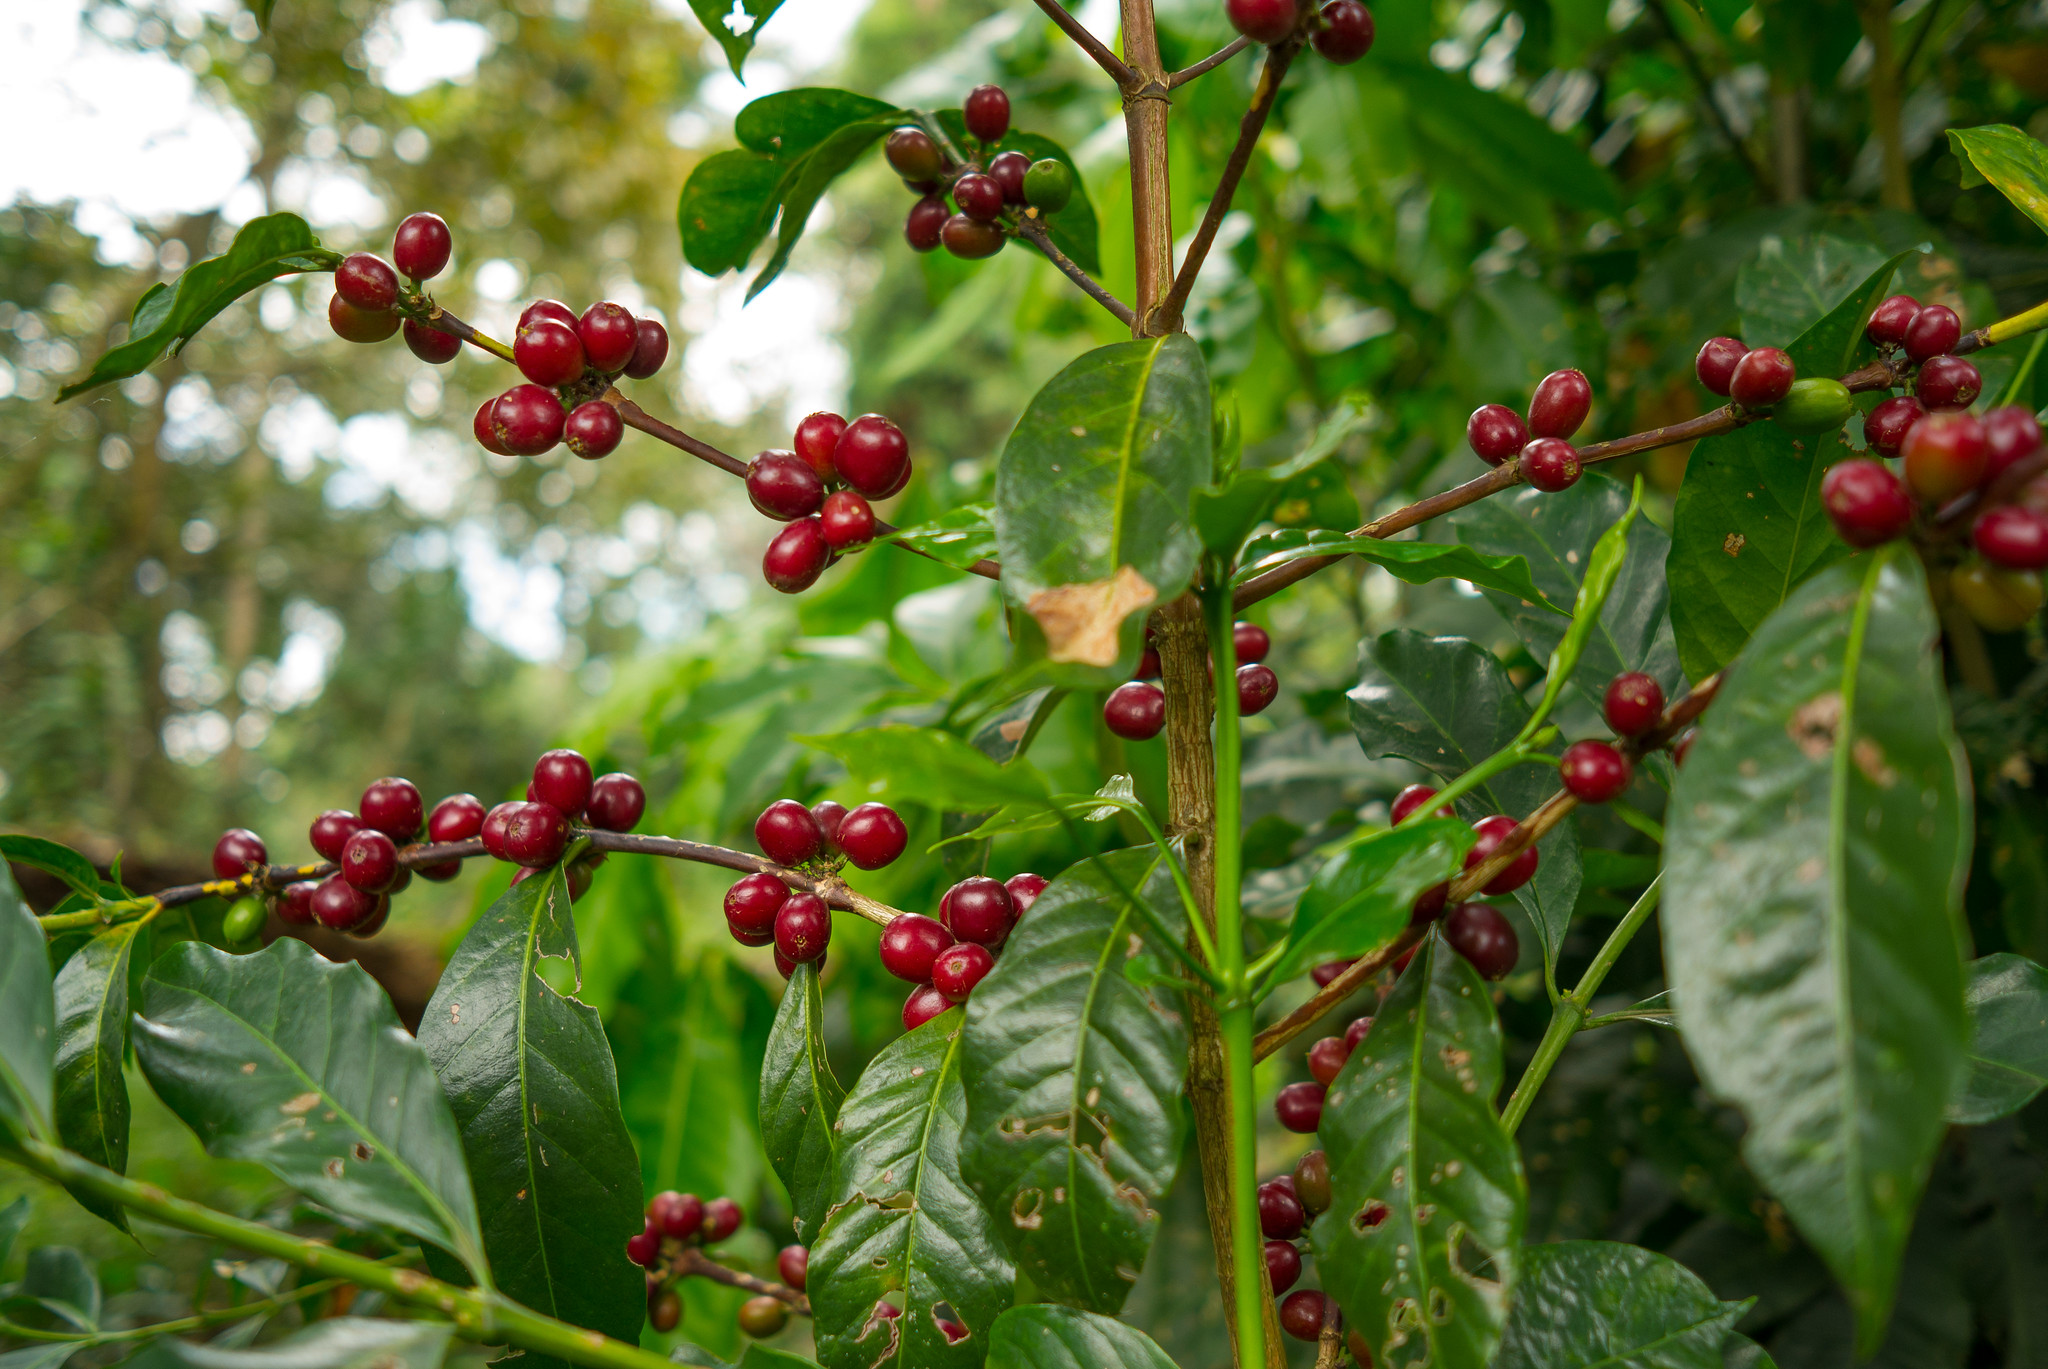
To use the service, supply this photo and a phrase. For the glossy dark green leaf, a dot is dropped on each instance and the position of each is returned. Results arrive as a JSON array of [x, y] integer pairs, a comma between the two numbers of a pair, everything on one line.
[[52, 859], [959, 537], [1616, 1306], [1748, 527], [1226, 513], [28, 1031], [335, 1343], [1073, 230], [1554, 535], [64, 1282], [735, 24], [92, 1040], [2010, 160], [807, 183], [301, 1065], [1363, 896], [2008, 1057], [726, 208], [529, 1076], [1074, 1075], [1818, 842], [923, 765], [1740, 1352], [1787, 287], [1446, 704], [1093, 490], [800, 1100], [167, 316], [903, 1226], [1006, 734], [1040, 1336], [1422, 1243], [789, 123], [1418, 563]]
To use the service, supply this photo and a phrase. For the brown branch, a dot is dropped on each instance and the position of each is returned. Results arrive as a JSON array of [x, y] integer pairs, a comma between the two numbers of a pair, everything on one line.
[[1209, 63], [1124, 77], [694, 1263], [1032, 229], [637, 417]]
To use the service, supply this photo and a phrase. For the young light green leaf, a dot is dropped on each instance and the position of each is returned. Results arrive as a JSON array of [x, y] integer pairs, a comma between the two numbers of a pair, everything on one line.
[[1073, 1074], [2008, 1055], [335, 1343], [926, 766], [535, 1095], [1418, 563], [1617, 1306], [1603, 568], [2010, 160], [92, 1040], [28, 1026], [52, 859], [959, 537], [1364, 895], [800, 1100], [1042, 1336], [301, 1065], [1422, 1242], [13, 1218], [1816, 853], [735, 24]]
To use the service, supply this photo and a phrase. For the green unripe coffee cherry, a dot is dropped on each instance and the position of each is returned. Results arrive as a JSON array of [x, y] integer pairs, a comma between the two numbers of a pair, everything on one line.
[[1048, 185], [244, 922], [1815, 405]]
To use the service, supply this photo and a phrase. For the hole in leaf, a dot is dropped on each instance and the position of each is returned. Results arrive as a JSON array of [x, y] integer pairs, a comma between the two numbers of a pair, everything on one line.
[[1371, 1215]]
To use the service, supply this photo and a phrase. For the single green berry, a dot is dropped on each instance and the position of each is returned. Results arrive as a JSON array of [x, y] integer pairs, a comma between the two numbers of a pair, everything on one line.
[[1048, 185], [1814, 405], [243, 923]]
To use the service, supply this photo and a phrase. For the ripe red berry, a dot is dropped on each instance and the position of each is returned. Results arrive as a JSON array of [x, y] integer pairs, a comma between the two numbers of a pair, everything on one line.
[[979, 197], [1326, 973], [616, 802], [1148, 665], [340, 906], [1250, 642], [872, 836], [784, 486], [1715, 364], [421, 246], [677, 1216], [1634, 703], [1886, 426], [1355, 1033], [536, 834], [1429, 904], [1263, 21], [815, 439], [979, 910], [593, 429], [959, 968], [788, 834], [1593, 771], [1867, 503], [295, 904], [1762, 378], [1947, 382], [924, 227], [803, 928], [1496, 433], [1283, 1265], [970, 239], [1492, 832], [752, 903], [2010, 536], [430, 345], [393, 806], [485, 428], [456, 818], [1007, 170], [1135, 711], [545, 309], [237, 850], [370, 861], [910, 943], [1347, 32], [1257, 687], [644, 1249], [1550, 464], [847, 520], [1946, 455], [1024, 891], [987, 113], [830, 815], [609, 334], [331, 831], [1890, 320], [1560, 404], [650, 349], [913, 154], [1280, 1214], [2011, 432], [367, 282], [1301, 1314], [871, 454], [924, 1003], [527, 420], [1478, 932], [722, 1217], [493, 830], [797, 556], [1300, 1107], [548, 353], [1327, 1057], [1412, 798], [561, 777], [1934, 331], [793, 1262], [351, 324]]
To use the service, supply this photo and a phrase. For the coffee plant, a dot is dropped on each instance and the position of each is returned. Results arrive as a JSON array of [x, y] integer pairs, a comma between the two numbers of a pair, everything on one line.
[[1755, 703]]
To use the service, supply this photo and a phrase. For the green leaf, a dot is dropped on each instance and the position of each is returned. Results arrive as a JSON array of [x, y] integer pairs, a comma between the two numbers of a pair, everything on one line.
[[1748, 528], [926, 766], [166, 317], [1740, 1352], [335, 1343], [40, 1356], [63, 1281], [92, 1039], [1074, 1074], [1421, 1245], [1446, 704], [53, 859], [790, 123], [1039, 1336], [28, 1030], [1818, 843], [761, 1357], [1418, 563], [1093, 491], [807, 183], [1554, 534], [2008, 1055], [726, 207], [1225, 514], [1603, 570], [1616, 1306], [736, 24], [902, 1224], [301, 1065], [800, 1100], [959, 537], [529, 1077], [1786, 288], [1363, 896], [13, 1218], [2010, 160]]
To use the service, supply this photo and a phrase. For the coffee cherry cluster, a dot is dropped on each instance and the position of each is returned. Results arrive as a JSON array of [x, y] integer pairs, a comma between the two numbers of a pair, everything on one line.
[[1557, 409], [1288, 1207], [991, 191], [1137, 711], [368, 297], [761, 910], [677, 1222], [946, 956], [1341, 30], [569, 362], [822, 491]]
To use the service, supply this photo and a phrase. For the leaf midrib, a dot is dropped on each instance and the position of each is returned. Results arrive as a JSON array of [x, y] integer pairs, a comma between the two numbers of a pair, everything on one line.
[[917, 1209], [119, 971], [1125, 451], [1423, 1281]]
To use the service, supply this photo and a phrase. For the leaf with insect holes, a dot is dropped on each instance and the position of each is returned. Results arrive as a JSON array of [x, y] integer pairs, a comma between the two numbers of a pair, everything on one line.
[[2011, 161], [92, 1039], [2008, 997], [800, 1101], [28, 1029], [735, 24], [1041, 1336], [1618, 1306]]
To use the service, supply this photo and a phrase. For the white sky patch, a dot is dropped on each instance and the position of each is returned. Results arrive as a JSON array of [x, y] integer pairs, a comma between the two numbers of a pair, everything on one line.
[[415, 45], [427, 468], [779, 348], [516, 604]]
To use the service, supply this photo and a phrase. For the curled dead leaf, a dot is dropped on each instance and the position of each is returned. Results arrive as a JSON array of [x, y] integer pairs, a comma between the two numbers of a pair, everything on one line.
[[1080, 621]]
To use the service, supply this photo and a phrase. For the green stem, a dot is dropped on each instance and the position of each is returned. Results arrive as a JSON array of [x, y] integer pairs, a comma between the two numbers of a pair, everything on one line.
[[2019, 377], [1196, 922], [1513, 754]]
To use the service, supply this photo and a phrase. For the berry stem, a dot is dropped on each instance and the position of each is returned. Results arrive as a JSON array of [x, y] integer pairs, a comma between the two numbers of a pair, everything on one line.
[[1124, 77], [636, 417], [441, 320], [1032, 230], [695, 1263], [1209, 63]]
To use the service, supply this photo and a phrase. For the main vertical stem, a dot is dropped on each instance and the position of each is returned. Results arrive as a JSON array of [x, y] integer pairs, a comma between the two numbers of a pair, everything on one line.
[[1145, 111]]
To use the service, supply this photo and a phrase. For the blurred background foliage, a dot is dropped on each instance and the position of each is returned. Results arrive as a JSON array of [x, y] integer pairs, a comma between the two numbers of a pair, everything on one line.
[[235, 590]]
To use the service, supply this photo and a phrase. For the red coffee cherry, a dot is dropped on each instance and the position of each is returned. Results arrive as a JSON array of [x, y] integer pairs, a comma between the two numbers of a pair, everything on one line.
[[677, 1216], [644, 1249], [1947, 382], [493, 831], [722, 1217], [236, 852], [527, 420], [1492, 832], [784, 486], [970, 239], [1355, 1033], [793, 1262], [2011, 537], [593, 429], [959, 968], [421, 246], [1327, 1058], [1496, 433], [1283, 1265], [430, 345], [1715, 364], [340, 906], [913, 154], [871, 454], [872, 836], [561, 778], [1280, 1214], [1300, 1107], [1634, 703], [1560, 404], [830, 814], [351, 324], [1250, 642], [1135, 711], [295, 904], [1550, 464], [545, 309], [925, 226], [616, 802], [2011, 432], [609, 334], [979, 910], [1007, 170], [796, 557], [1301, 1314], [548, 353], [1935, 330], [1867, 503], [1325, 973], [1478, 932], [815, 439], [456, 818], [1148, 665], [910, 944], [1024, 891], [536, 834], [979, 197], [393, 806], [370, 861], [1762, 378], [1347, 32], [1263, 21], [1257, 687], [788, 834], [366, 282], [1890, 320], [987, 113], [1886, 426], [924, 1003], [649, 351], [485, 427], [1946, 455], [1429, 904], [752, 903], [803, 928], [331, 831], [1594, 772], [1412, 798], [846, 520]]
